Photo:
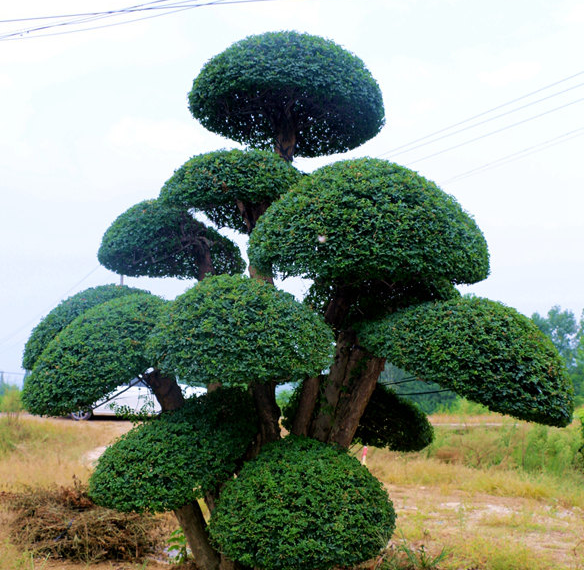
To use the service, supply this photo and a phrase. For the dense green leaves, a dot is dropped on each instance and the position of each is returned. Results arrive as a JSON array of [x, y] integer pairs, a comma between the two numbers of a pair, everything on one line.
[[65, 313], [392, 421], [365, 219], [302, 504], [177, 457], [156, 240], [98, 351], [482, 350], [285, 85], [239, 331], [220, 183]]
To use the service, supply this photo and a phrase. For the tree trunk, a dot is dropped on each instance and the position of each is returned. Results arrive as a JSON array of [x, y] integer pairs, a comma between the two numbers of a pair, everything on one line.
[[264, 396], [352, 404], [347, 391], [190, 517], [306, 406], [322, 424], [166, 390]]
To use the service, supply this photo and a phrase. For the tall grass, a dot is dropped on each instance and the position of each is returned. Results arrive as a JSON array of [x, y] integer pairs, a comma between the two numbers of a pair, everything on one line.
[[48, 452]]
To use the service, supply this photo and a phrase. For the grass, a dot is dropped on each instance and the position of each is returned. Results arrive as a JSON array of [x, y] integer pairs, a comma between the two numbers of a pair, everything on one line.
[[490, 494]]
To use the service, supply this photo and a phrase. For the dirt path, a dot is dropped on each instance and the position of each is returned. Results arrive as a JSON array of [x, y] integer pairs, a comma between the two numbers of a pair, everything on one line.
[[456, 519]]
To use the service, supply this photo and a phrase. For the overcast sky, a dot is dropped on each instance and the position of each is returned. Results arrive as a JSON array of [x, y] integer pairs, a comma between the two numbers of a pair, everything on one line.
[[95, 121]]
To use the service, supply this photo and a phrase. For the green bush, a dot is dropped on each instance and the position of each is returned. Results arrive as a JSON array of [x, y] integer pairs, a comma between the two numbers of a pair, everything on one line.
[[482, 350], [286, 81], [101, 349], [302, 504], [368, 219], [157, 240], [239, 331], [177, 457], [393, 422], [64, 314], [219, 183]]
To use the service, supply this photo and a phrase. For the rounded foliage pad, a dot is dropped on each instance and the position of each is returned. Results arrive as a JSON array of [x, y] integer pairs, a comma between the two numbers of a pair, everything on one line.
[[394, 422], [302, 504], [98, 351], [155, 240], [177, 457], [239, 331], [219, 183], [283, 83], [484, 351], [65, 313], [365, 219]]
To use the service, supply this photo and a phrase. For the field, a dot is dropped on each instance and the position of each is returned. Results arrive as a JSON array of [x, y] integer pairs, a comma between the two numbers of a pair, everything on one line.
[[491, 493]]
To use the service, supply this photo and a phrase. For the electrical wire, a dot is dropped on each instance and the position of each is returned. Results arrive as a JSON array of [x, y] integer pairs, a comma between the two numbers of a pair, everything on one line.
[[491, 133], [519, 154], [77, 19], [12, 335], [481, 114], [489, 119]]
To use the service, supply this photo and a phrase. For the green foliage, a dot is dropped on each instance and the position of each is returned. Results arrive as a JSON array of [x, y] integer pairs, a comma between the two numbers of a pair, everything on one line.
[[10, 401], [302, 504], [373, 298], [393, 422], [482, 350], [99, 350], [239, 331], [178, 456], [568, 337], [369, 219], [289, 83], [155, 240], [177, 547], [63, 314], [562, 328], [217, 183]]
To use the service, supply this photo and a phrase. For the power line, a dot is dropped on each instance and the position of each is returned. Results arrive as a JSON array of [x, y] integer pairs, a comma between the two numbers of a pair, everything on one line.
[[35, 319], [81, 18], [565, 137], [491, 133], [489, 119], [481, 114]]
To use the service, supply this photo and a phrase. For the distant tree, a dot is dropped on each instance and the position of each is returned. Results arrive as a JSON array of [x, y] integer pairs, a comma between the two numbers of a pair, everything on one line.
[[567, 334], [384, 249]]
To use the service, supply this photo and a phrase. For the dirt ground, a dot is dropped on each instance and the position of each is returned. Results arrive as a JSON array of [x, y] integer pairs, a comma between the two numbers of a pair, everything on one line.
[[431, 516]]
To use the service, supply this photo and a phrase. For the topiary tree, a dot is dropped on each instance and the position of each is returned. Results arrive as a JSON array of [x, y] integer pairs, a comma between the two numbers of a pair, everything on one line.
[[294, 93], [384, 249], [153, 239], [62, 316]]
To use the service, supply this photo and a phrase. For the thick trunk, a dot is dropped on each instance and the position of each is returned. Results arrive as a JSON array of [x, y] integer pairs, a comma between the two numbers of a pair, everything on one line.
[[285, 128], [347, 391], [191, 520], [205, 263], [166, 390], [334, 383], [352, 404], [306, 406], [264, 396]]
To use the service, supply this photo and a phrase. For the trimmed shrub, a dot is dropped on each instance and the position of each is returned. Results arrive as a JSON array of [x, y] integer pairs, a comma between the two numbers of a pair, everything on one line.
[[239, 331], [177, 457], [482, 350], [64, 314], [302, 504], [393, 422], [98, 351]]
